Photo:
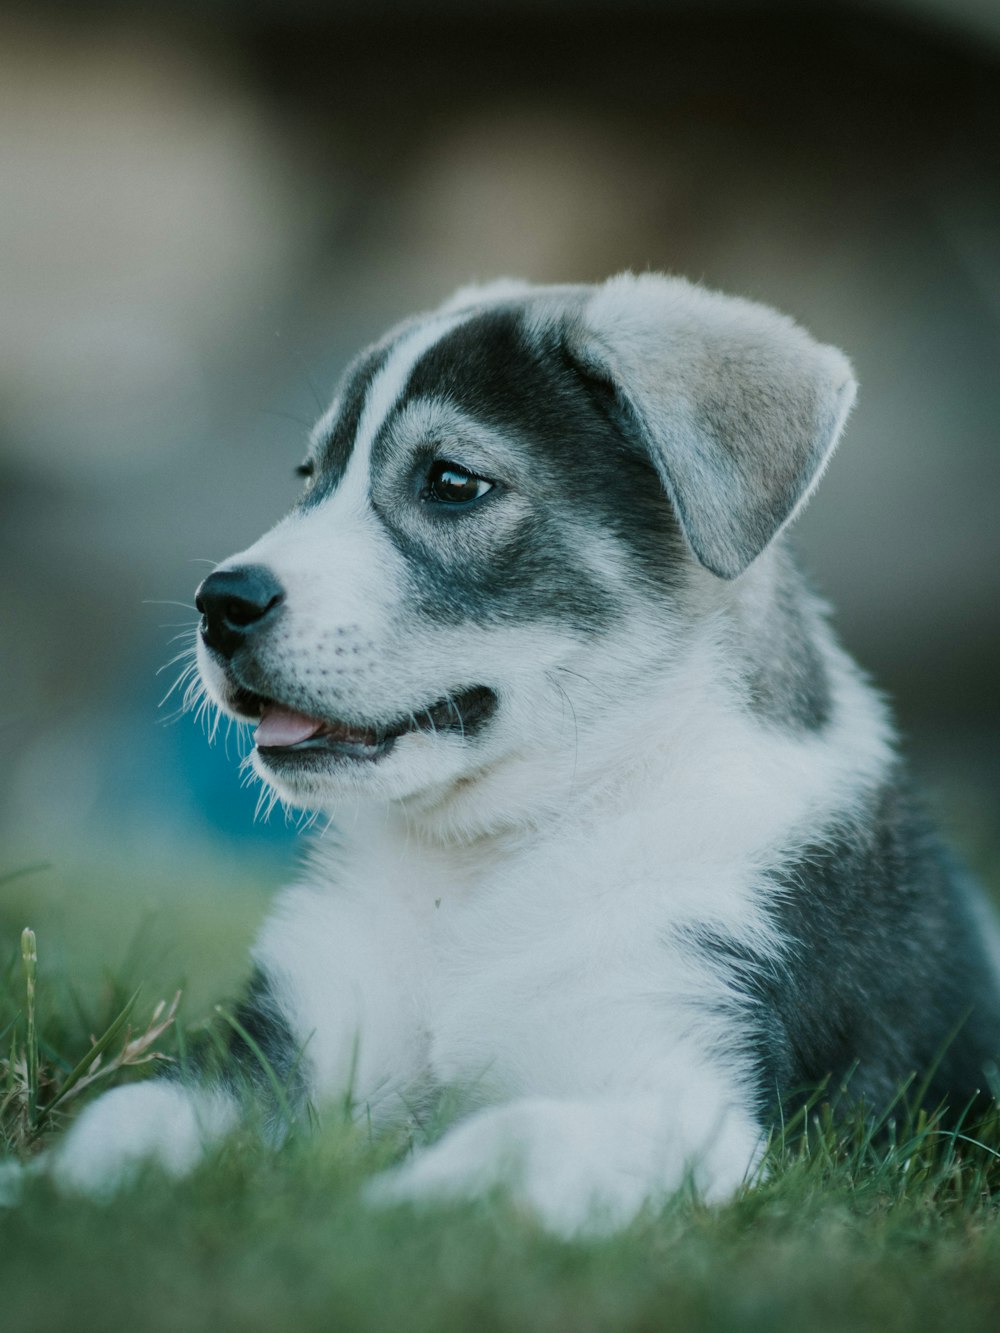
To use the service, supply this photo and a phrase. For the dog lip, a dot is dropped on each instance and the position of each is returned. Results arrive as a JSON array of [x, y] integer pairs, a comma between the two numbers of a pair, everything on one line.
[[311, 752], [288, 732]]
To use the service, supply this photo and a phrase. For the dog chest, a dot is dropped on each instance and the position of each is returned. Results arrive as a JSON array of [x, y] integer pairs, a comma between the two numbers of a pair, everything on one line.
[[570, 973]]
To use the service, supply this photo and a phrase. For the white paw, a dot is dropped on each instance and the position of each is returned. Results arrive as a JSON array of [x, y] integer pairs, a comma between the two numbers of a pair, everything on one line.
[[156, 1122], [579, 1167]]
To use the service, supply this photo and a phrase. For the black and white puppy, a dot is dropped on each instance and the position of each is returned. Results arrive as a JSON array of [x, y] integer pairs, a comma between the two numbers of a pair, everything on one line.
[[623, 847]]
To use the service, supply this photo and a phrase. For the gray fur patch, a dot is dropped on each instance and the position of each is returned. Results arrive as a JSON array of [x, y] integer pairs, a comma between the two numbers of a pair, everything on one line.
[[884, 975], [786, 678]]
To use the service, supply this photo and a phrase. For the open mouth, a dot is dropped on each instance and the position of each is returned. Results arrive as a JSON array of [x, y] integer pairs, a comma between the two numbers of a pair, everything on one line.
[[286, 736]]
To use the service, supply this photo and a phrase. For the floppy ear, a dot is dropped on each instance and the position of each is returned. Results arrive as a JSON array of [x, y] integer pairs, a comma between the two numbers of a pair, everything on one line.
[[737, 406]]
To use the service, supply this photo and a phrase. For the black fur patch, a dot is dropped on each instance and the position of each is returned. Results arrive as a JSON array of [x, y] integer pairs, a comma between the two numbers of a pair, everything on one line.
[[335, 451], [582, 464], [524, 383], [260, 1017], [884, 974]]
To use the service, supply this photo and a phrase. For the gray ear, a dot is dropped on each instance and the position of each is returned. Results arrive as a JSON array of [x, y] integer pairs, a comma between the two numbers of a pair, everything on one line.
[[738, 407]]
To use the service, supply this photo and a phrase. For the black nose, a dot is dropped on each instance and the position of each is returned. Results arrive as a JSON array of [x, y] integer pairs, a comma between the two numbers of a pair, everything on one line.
[[234, 603]]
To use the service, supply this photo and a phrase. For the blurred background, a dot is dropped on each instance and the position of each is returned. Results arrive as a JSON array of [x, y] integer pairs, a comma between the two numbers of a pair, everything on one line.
[[206, 208]]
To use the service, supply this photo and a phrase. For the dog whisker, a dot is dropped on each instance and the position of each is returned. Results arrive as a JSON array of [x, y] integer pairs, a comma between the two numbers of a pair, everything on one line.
[[183, 676], [185, 632], [168, 601], [186, 654]]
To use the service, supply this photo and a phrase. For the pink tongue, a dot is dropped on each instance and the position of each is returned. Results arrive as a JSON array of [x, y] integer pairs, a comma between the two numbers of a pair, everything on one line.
[[280, 726]]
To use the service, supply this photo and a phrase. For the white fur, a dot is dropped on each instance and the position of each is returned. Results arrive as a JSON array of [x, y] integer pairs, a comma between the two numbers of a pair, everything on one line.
[[156, 1122], [511, 919]]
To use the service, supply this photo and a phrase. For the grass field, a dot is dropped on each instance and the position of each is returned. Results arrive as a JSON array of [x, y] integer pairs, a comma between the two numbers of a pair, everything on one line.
[[842, 1234]]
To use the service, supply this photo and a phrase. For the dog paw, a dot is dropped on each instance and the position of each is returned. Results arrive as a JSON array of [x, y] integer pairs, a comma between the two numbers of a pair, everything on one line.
[[158, 1122], [572, 1168]]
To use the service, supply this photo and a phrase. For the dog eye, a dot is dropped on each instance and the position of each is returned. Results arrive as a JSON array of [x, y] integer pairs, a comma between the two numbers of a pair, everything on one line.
[[306, 469], [451, 484]]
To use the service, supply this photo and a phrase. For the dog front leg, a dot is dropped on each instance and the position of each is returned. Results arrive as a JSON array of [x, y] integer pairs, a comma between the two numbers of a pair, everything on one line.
[[329, 1016], [583, 1166]]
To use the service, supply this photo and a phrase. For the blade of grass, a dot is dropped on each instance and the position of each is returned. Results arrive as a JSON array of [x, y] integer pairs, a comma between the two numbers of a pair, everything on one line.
[[99, 1047], [29, 956], [10, 1026], [279, 1091]]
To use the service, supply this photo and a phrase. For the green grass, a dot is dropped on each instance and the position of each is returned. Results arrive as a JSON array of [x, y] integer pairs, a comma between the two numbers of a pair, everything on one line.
[[844, 1233]]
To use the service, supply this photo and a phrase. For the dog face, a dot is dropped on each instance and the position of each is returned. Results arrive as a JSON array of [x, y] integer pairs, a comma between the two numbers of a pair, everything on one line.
[[515, 511]]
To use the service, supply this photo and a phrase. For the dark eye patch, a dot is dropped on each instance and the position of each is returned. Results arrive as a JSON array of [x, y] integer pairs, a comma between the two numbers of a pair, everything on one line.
[[572, 464], [523, 382]]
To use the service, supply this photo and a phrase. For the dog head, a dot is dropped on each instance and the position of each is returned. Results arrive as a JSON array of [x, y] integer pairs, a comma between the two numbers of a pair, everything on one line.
[[514, 512]]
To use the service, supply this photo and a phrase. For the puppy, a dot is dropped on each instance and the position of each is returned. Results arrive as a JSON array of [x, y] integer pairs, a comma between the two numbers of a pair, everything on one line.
[[623, 848]]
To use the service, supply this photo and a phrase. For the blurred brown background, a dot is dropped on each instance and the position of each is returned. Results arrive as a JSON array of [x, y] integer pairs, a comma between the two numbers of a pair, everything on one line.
[[206, 208]]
